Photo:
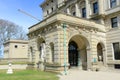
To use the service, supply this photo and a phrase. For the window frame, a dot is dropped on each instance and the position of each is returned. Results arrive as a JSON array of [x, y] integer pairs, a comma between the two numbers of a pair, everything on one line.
[[47, 12], [115, 51], [84, 12], [95, 7], [113, 3], [114, 23], [52, 9]]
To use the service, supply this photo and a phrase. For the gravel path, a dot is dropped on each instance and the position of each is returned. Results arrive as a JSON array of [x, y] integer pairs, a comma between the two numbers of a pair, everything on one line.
[[90, 75]]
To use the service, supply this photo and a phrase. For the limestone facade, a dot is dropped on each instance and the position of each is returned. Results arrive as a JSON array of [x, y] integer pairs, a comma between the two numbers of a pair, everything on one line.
[[76, 33], [16, 49]]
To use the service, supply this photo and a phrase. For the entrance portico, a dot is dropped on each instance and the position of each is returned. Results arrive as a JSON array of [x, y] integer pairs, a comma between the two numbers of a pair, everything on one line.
[[78, 49]]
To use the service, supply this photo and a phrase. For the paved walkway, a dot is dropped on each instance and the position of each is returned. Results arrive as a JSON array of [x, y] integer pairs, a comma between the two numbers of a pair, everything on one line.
[[90, 75]]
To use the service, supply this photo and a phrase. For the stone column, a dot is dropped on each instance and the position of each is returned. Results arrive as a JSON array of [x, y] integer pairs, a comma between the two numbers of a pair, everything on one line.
[[68, 11], [100, 6], [118, 2], [104, 57], [42, 52], [88, 58], [35, 54], [79, 60], [42, 56], [77, 10], [88, 8], [94, 57], [105, 3], [101, 10]]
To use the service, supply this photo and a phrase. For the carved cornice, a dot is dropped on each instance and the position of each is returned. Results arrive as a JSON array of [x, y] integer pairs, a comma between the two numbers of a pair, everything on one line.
[[51, 24], [44, 30]]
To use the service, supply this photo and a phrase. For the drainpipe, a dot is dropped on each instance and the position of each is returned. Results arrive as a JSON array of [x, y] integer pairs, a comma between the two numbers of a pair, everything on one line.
[[65, 64]]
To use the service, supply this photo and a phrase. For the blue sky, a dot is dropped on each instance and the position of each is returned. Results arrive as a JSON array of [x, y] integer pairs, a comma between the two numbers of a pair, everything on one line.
[[9, 11]]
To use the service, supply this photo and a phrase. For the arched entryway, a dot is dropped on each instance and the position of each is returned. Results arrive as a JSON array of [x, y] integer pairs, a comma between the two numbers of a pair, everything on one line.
[[73, 54], [78, 52]]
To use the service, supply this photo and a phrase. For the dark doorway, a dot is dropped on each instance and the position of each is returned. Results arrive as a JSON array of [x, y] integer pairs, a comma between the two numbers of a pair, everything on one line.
[[117, 66], [73, 54]]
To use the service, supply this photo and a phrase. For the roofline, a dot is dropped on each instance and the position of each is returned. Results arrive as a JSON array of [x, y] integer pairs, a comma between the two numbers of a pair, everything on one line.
[[16, 41], [43, 3]]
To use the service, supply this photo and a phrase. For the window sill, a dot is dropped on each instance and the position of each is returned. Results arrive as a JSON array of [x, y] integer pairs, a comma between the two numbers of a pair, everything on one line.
[[97, 16], [112, 8]]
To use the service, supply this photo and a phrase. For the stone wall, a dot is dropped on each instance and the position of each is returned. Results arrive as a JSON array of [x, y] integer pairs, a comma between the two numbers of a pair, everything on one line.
[[16, 66]]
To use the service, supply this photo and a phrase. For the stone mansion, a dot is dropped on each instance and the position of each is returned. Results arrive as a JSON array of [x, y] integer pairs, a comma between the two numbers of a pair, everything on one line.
[[83, 34]]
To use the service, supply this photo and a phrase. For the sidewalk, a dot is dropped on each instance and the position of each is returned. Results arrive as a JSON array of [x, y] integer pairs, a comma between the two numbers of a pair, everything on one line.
[[90, 75]]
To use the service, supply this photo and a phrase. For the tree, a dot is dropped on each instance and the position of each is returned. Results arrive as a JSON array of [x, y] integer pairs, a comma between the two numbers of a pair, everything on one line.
[[9, 30]]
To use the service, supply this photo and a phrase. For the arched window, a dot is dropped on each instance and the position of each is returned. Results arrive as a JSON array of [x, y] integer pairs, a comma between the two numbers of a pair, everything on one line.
[[99, 52], [73, 12], [42, 51]]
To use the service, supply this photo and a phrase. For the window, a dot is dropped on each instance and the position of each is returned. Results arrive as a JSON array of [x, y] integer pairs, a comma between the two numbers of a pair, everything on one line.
[[16, 46], [116, 47], [47, 12], [52, 52], [52, 9], [114, 22], [74, 13], [95, 7], [112, 3], [47, 4], [83, 12], [51, 0]]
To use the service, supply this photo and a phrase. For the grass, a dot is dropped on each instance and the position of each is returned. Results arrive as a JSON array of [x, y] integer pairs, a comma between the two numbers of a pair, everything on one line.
[[27, 75]]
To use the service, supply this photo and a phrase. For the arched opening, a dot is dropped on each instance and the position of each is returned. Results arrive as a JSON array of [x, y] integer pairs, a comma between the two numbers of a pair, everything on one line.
[[78, 52], [100, 52], [73, 54], [41, 48], [72, 10]]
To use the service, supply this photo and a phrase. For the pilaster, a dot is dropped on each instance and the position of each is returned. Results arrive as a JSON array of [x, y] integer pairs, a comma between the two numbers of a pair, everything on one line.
[[68, 11], [88, 8], [89, 65], [100, 6], [77, 10]]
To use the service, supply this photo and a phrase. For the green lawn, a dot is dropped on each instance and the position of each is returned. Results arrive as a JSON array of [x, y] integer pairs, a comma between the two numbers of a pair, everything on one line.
[[27, 75]]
